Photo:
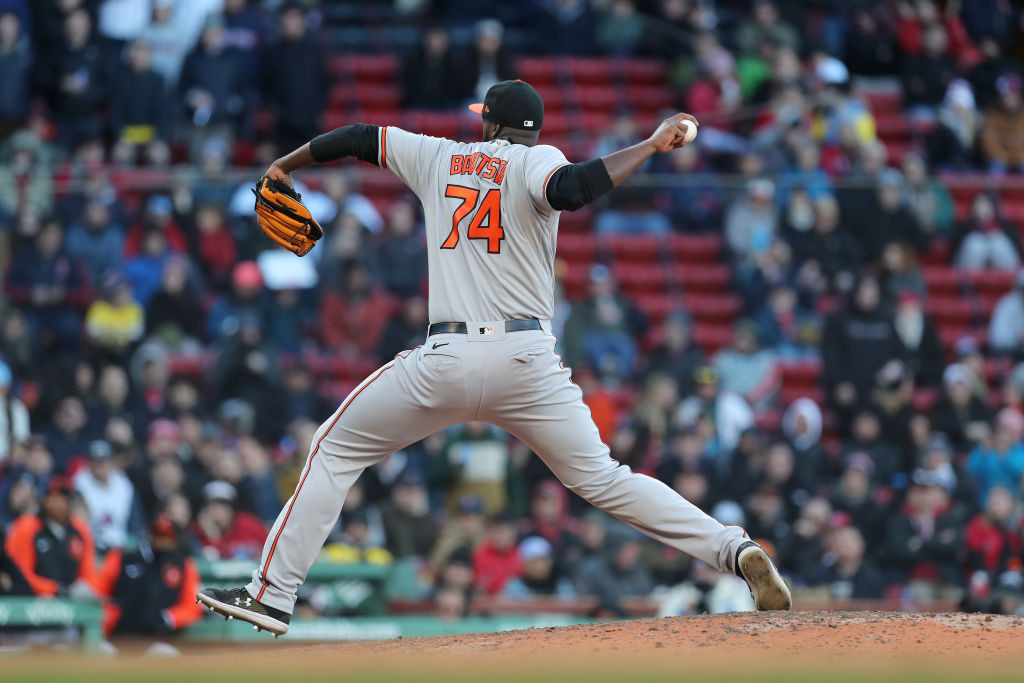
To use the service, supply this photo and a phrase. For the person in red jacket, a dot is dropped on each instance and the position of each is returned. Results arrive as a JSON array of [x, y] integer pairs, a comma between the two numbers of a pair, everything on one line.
[[497, 560], [159, 216], [54, 549], [151, 589], [353, 318], [992, 542], [224, 532]]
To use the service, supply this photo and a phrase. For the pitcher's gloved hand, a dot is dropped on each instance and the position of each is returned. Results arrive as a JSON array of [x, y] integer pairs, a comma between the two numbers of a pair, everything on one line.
[[283, 217]]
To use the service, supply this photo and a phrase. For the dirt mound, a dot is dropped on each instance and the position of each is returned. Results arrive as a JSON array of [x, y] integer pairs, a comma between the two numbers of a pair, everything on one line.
[[833, 646]]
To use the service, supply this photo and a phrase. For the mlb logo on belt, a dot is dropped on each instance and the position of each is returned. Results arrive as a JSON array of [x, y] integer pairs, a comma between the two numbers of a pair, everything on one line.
[[487, 330]]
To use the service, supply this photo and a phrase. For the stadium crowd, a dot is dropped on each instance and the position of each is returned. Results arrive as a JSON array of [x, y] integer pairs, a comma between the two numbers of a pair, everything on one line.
[[164, 371]]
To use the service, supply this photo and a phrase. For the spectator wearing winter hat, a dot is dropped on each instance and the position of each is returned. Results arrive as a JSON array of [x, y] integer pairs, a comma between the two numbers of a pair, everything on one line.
[[922, 347], [224, 532], [539, 575], [1002, 133], [14, 420], [959, 413], [923, 541], [987, 241]]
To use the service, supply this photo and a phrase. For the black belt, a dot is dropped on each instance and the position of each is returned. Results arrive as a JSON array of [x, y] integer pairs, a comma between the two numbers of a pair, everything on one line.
[[460, 328]]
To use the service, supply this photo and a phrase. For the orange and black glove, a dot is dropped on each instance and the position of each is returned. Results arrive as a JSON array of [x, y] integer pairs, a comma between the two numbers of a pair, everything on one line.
[[283, 217]]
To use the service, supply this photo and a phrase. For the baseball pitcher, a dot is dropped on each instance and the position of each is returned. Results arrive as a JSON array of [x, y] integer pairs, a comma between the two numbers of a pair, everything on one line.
[[491, 211]]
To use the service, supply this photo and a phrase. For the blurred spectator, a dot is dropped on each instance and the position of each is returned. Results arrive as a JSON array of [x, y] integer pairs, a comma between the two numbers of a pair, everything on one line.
[[67, 436], [224, 532], [923, 541], [139, 110], [993, 543], [927, 199], [618, 575], [16, 59], [158, 216], [353, 318], [846, 571], [989, 243], [246, 367], [405, 330], [295, 76], [54, 549], [398, 255], [926, 76], [430, 77], [408, 525], [96, 240], [173, 314], [302, 400], [806, 174], [747, 369], [169, 38], [1000, 462], [950, 145], [539, 576], [839, 112], [473, 462], [959, 413], [620, 29], [145, 269], [866, 439], [1002, 133], [802, 428], [677, 355], [858, 340], [824, 248], [356, 543], [1006, 327], [152, 588], [600, 333], [213, 88], [51, 289], [489, 60], [984, 75], [115, 320], [108, 494], [870, 48], [215, 245], [922, 346], [243, 301], [463, 529], [751, 221], [726, 410], [496, 560], [76, 78], [565, 27], [856, 496], [14, 418], [766, 27], [786, 327], [25, 177]]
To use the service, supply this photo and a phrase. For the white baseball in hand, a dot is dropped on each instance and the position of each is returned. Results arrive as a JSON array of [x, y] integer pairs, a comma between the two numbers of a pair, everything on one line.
[[691, 130]]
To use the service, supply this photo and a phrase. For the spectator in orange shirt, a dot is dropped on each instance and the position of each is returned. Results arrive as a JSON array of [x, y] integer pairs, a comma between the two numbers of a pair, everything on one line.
[[54, 549]]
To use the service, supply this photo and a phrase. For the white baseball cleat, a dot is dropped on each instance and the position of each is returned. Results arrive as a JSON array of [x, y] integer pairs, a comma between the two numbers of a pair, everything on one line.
[[766, 585]]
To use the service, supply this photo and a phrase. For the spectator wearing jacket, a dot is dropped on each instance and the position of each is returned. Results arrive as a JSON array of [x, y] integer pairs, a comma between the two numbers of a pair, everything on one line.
[[299, 102], [846, 571], [139, 109], [114, 512], [992, 541], [152, 588], [1002, 133], [224, 532], [54, 549]]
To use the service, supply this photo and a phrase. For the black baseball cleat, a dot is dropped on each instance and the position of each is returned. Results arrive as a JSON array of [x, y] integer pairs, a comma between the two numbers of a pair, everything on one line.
[[766, 585], [238, 604]]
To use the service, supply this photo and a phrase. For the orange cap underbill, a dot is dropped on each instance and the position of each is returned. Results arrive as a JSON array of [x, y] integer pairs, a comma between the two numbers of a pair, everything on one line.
[[477, 108]]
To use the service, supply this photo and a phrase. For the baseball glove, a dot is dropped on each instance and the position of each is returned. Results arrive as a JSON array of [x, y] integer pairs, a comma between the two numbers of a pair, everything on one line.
[[283, 218]]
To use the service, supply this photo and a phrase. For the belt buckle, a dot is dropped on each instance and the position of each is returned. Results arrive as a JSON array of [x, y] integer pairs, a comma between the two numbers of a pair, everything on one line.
[[486, 330]]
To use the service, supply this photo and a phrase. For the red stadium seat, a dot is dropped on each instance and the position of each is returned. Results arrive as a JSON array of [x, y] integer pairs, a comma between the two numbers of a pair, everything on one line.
[[992, 282], [645, 71], [658, 306], [574, 279], [650, 100], [629, 249], [951, 311], [438, 124], [801, 373], [712, 336], [941, 280], [598, 98], [703, 277], [537, 70], [639, 278], [576, 221], [588, 69], [713, 307], [577, 248], [696, 248]]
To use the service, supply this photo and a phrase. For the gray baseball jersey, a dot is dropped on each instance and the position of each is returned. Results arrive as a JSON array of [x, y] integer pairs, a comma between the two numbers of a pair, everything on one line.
[[490, 230], [491, 245]]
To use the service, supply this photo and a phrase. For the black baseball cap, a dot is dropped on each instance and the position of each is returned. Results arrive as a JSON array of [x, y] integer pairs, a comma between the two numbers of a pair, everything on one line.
[[515, 104]]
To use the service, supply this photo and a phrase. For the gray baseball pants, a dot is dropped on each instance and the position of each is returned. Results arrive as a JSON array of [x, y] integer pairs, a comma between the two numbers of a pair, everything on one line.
[[513, 380]]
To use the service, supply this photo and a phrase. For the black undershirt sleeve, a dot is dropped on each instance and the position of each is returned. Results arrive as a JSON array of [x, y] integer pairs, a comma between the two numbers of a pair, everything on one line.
[[359, 140], [576, 185]]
